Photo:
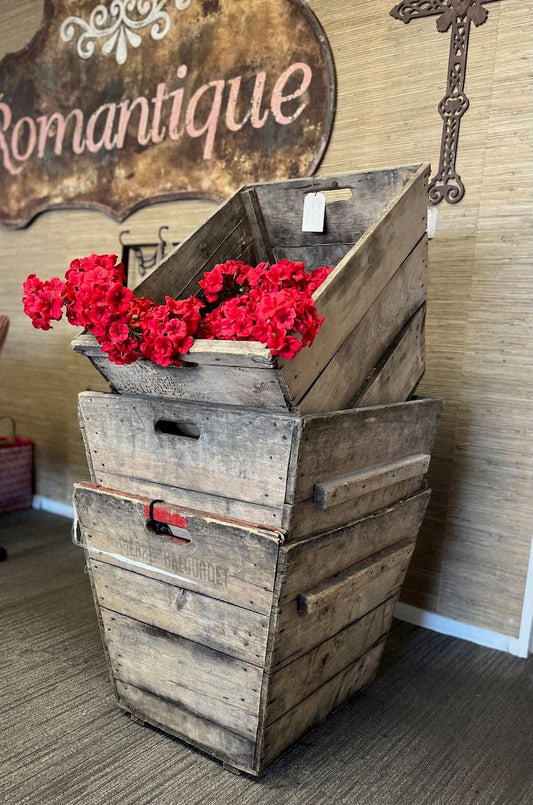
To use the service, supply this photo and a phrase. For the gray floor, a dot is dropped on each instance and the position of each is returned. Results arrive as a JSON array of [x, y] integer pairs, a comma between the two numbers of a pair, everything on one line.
[[445, 722]]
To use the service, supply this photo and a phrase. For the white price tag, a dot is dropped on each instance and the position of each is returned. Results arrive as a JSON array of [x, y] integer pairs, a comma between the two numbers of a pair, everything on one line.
[[432, 222], [314, 212]]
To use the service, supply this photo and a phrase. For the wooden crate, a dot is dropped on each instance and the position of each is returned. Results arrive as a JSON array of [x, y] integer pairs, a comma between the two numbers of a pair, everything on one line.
[[303, 474], [223, 634], [374, 300]]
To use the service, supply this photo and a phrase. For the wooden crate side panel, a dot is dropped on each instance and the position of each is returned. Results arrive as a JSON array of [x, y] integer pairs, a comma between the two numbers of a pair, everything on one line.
[[192, 728], [311, 561], [282, 204], [224, 385], [297, 680], [228, 561], [348, 292], [206, 683], [339, 601], [313, 710], [398, 375], [305, 519], [340, 381], [222, 233], [336, 444], [242, 453], [217, 624]]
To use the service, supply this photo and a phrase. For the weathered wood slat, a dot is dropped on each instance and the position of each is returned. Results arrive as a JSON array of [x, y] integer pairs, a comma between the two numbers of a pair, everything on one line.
[[232, 385], [346, 487], [348, 292], [177, 720], [400, 370], [324, 254], [207, 683], [347, 441], [340, 601], [312, 561], [248, 255], [217, 624], [216, 505], [244, 450], [251, 354], [340, 381], [314, 709], [225, 560], [195, 254], [256, 222], [288, 685]]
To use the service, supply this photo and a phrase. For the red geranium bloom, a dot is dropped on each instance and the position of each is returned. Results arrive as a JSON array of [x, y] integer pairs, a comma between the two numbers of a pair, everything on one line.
[[272, 304]]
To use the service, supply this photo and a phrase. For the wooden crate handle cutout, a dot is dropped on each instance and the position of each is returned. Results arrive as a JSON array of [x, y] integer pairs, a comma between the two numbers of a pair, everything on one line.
[[188, 430], [160, 522]]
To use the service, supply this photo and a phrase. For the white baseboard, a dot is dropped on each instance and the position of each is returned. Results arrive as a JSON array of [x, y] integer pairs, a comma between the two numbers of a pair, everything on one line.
[[465, 631], [52, 506], [526, 625]]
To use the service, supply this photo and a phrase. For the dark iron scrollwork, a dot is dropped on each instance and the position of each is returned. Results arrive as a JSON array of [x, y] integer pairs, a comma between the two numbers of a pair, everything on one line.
[[457, 15], [147, 255]]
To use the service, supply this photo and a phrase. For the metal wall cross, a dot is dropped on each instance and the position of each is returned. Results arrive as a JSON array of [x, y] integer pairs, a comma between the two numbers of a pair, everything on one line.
[[457, 15]]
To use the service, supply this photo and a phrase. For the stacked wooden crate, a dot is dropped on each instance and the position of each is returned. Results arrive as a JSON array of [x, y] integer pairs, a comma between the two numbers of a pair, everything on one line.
[[250, 520]]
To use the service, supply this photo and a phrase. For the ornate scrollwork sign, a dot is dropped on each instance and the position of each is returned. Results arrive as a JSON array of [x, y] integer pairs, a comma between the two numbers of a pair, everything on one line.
[[117, 104], [459, 16], [118, 26]]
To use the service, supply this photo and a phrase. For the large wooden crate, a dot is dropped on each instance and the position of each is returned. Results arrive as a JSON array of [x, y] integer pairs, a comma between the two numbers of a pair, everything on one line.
[[370, 349], [302, 474], [223, 634]]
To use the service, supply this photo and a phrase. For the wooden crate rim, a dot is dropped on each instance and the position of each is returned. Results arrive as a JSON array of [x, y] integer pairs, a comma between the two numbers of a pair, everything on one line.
[[320, 179], [283, 415], [269, 532]]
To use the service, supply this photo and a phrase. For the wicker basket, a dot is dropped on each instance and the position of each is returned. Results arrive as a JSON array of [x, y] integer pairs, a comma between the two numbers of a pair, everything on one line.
[[16, 471]]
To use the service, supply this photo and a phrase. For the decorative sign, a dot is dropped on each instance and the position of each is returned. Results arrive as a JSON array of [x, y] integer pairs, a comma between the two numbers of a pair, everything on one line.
[[457, 15], [123, 103]]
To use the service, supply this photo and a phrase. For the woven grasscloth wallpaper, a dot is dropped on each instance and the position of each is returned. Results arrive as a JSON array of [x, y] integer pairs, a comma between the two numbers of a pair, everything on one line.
[[472, 555]]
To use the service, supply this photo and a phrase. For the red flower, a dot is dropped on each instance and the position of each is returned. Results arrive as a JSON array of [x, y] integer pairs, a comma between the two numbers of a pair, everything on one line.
[[119, 298], [271, 304], [43, 301], [225, 276]]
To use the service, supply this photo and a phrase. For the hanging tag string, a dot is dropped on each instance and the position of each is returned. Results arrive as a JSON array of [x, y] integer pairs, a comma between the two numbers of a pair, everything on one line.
[[156, 525]]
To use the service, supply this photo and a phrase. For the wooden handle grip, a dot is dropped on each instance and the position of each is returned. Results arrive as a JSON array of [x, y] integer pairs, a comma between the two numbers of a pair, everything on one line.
[[338, 490], [393, 560]]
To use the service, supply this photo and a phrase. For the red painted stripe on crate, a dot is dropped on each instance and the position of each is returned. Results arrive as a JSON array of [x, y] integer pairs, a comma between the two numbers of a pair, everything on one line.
[[164, 514]]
